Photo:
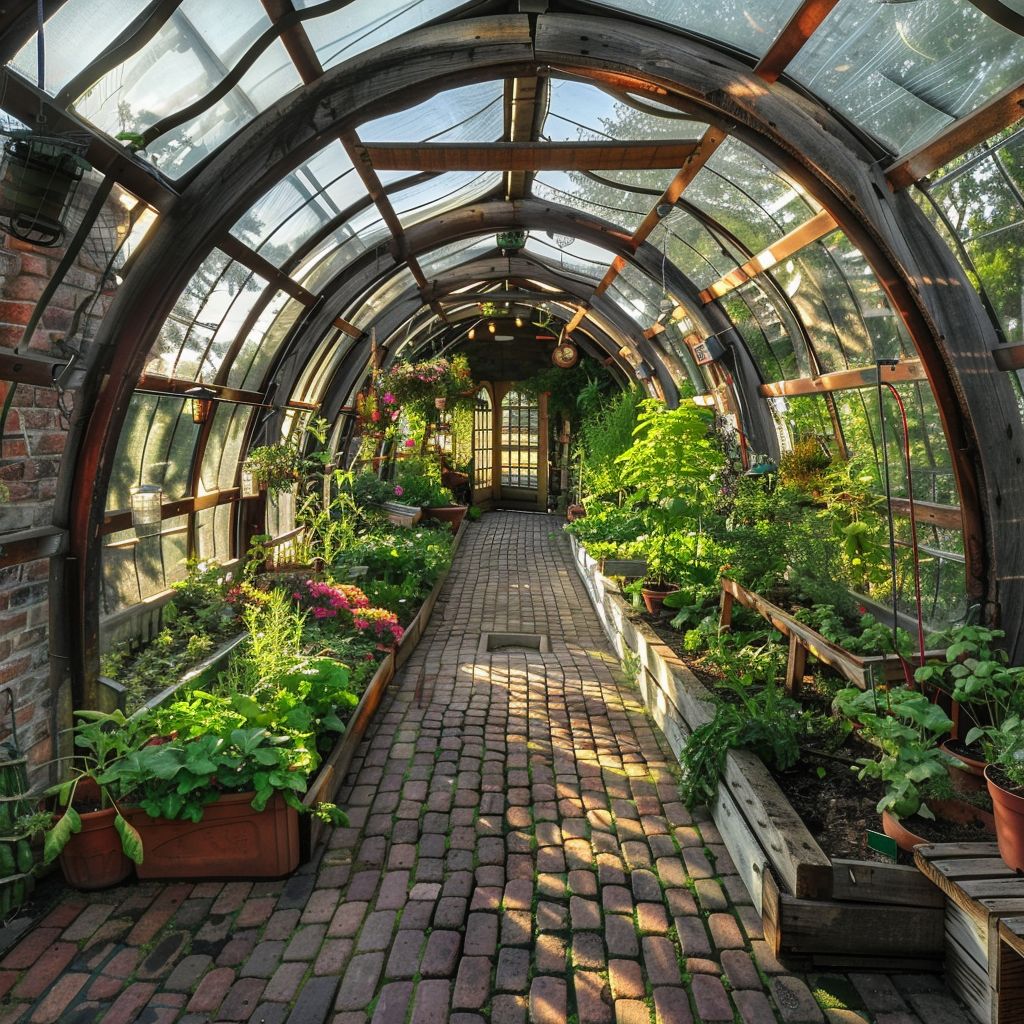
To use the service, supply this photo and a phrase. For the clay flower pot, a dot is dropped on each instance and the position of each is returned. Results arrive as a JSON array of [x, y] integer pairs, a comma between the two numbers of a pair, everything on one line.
[[451, 514], [94, 858], [969, 775], [895, 829], [1009, 814], [654, 595]]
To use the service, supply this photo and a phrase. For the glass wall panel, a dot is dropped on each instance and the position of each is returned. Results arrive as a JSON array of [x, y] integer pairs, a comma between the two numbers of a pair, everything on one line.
[[224, 446], [264, 343], [982, 199], [903, 71], [136, 568], [155, 447]]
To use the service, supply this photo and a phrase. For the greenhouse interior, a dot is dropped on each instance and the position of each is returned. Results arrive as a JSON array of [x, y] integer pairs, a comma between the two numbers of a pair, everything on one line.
[[511, 511]]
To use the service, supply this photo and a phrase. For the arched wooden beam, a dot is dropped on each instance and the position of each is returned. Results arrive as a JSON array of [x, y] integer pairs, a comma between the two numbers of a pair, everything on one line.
[[921, 277]]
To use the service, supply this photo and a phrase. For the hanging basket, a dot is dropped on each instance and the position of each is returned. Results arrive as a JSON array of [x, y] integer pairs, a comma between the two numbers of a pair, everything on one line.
[[39, 176]]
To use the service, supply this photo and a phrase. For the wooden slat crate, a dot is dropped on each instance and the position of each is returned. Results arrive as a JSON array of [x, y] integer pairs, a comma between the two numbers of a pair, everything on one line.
[[984, 927]]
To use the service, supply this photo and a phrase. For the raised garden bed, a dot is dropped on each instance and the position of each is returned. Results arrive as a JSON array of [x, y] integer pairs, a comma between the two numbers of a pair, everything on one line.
[[815, 910], [331, 773], [803, 641]]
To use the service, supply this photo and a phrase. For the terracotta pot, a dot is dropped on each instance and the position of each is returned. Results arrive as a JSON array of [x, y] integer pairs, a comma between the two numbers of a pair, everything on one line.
[[969, 775], [440, 403], [231, 841], [451, 514], [1009, 814], [894, 829], [654, 596], [574, 512], [94, 858]]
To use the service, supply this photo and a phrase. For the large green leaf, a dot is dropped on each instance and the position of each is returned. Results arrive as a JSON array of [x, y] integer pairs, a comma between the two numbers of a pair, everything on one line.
[[57, 838], [131, 841]]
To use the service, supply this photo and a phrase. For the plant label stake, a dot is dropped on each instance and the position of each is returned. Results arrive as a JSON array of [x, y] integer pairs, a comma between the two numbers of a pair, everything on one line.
[[881, 843]]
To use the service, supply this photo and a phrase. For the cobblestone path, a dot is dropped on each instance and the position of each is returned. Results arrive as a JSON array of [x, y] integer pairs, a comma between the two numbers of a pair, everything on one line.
[[517, 852]]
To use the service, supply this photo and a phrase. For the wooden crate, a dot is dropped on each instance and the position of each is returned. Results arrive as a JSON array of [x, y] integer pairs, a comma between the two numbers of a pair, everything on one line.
[[984, 929]]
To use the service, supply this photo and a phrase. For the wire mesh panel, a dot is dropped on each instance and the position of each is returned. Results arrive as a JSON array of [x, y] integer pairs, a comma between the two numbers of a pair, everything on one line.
[[483, 441], [520, 435]]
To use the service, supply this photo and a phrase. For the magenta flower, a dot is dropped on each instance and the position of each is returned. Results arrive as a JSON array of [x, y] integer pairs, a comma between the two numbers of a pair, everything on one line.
[[388, 399], [399, 490], [410, 442]]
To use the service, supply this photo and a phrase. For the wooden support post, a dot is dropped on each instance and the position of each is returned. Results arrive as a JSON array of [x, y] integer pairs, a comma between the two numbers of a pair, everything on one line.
[[796, 665], [725, 613]]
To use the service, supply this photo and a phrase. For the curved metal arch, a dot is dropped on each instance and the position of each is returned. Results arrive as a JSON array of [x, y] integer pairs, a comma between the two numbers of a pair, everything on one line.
[[924, 283]]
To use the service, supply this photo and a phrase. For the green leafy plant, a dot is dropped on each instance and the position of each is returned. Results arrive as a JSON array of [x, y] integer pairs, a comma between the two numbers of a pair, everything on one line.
[[277, 466], [977, 674], [806, 464], [906, 727], [764, 721], [102, 743]]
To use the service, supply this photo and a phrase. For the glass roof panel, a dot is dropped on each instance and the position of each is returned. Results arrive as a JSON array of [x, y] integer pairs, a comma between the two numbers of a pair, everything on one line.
[[578, 110], [341, 35], [190, 53], [691, 248], [224, 446], [472, 113], [442, 194], [76, 33], [623, 209], [263, 342], [749, 25], [364, 231], [449, 256], [297, 206], [179, 150], [575, 255], [904, 71]]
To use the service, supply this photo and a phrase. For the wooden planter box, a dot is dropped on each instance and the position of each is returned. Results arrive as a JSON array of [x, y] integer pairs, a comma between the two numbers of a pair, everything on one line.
[[324, 788], [803, 641], [402, 515], [815, 911], [630, 568], [231, 841]]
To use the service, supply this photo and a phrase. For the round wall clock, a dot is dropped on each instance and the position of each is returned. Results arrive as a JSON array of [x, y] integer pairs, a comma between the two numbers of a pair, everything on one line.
[[565, 355]]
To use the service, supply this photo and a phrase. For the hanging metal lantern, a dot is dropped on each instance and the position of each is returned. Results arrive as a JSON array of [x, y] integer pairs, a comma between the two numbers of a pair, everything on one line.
[[511, 241], [39, 175], [147, 508], [202, 402]]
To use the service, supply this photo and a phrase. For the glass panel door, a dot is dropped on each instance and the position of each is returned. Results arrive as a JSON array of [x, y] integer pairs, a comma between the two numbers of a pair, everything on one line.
[[520, 445]]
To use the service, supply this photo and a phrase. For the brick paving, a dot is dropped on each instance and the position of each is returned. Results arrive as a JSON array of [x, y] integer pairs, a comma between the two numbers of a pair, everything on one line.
[[517, 852]]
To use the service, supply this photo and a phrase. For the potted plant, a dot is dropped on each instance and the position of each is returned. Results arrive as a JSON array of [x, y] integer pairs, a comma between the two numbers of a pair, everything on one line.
[[906, 727], [418, 483], [95, 843], [978, 678], [1004, 776], [275, 466]]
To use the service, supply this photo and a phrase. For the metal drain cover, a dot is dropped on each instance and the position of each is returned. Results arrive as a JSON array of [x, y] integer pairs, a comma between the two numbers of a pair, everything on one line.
[[512, 642]]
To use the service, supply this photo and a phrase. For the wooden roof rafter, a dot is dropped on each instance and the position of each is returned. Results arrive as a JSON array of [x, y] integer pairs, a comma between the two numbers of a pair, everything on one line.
[[303, 55]]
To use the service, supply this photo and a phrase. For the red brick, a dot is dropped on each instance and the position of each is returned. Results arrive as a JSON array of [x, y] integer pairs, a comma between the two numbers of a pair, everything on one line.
[[130, 1003], [211, 991], [547, 1001], [158, 915], [50, 1010], [45, 970]]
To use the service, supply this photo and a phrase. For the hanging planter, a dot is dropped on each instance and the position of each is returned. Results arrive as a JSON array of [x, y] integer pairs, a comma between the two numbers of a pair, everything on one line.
[[39, 176]]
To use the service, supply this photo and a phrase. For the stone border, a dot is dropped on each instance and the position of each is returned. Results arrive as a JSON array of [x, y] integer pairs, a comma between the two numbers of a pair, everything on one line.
[[812, 908]]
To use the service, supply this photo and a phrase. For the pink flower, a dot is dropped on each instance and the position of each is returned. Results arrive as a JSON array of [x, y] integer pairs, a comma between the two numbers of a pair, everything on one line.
[[296, 596], [375, 415], [388, 399], [399, 490], [410, 442], [321, 613], [394, 416]]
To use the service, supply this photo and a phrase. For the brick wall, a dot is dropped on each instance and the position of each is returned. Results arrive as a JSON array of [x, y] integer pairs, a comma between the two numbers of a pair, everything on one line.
[[34, 435]]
